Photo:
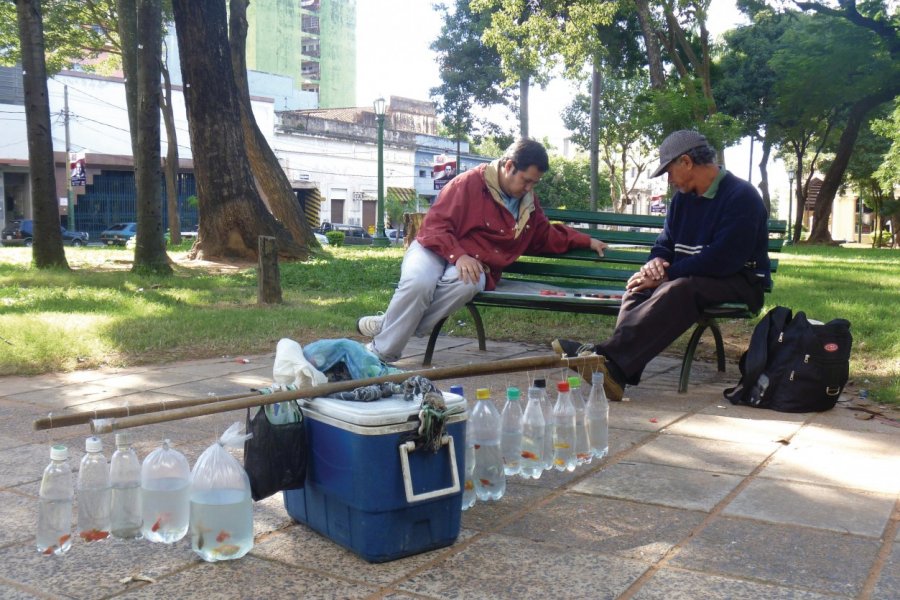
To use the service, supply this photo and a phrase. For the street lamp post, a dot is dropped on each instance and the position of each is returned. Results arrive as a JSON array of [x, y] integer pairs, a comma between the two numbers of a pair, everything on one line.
[[790, 206], [380, 240]]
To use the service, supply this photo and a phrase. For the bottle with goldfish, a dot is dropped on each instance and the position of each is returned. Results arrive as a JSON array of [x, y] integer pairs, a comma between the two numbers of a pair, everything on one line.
[[533, 427], [54, 528], [583, 454], [468, 495], [564, 430], [490, 482], [165, 495], [93, 493]]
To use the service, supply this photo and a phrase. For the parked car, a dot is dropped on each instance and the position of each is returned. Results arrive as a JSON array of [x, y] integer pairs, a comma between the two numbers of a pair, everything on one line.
[[395, 235], [21, 233], [118, 234], [323, 241]]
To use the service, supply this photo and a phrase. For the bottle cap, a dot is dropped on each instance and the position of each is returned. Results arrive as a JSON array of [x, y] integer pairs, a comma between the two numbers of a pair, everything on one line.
[[562, 386], [122, 439], [597, 378], [574, 382], [457, 389], [59, 452], [512, 393], [540, 383], [93, 444], [483, 394]]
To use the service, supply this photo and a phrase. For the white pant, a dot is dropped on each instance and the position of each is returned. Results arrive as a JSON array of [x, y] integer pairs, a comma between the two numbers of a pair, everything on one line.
[[429, 290]]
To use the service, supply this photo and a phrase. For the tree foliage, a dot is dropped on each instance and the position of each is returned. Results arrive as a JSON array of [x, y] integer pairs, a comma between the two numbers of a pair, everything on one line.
[[567, 184]]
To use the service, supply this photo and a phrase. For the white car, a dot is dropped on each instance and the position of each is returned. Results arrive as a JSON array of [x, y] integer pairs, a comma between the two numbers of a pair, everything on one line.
[[322, 239]]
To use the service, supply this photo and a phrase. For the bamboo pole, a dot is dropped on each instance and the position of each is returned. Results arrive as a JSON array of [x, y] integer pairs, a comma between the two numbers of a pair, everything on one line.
[[52, 421], [99, 426]]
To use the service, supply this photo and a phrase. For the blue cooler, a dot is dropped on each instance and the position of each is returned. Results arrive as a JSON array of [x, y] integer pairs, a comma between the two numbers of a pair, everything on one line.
[[372, 492]]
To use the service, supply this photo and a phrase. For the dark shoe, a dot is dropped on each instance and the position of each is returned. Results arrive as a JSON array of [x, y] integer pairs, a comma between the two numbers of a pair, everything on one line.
[[572, 349]]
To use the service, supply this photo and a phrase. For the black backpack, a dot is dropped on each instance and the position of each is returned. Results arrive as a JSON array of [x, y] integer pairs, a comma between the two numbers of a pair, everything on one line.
[[793, 365]]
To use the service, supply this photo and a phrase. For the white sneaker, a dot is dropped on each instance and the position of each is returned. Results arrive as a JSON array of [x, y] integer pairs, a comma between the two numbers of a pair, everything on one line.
[[371, 348], [370, 326]]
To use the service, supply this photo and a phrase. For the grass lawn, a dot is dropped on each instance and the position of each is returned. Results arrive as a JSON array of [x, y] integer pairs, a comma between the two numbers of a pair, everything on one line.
[[100, 314]]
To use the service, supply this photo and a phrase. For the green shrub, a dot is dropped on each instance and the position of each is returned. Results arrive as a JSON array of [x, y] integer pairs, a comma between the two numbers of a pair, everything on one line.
[[335, 238]]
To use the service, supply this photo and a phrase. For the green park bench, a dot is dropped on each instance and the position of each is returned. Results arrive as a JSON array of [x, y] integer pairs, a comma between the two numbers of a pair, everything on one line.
[[595, 285]]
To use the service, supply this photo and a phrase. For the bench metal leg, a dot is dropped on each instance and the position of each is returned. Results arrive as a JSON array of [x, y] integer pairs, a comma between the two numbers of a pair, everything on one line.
[[691, 349], [432, 340], [479, 326]]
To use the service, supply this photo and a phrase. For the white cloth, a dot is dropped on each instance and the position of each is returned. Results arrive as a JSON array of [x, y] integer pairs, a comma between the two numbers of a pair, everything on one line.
[[291, 366]]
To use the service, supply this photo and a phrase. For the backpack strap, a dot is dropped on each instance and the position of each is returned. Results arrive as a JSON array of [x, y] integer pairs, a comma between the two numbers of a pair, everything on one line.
[[753, 362]]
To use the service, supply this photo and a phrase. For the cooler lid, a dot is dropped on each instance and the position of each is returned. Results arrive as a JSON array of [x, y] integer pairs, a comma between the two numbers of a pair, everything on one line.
[[389, 411]]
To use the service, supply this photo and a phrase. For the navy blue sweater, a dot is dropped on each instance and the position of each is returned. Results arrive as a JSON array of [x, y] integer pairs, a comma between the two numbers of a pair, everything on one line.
[[716, 237]]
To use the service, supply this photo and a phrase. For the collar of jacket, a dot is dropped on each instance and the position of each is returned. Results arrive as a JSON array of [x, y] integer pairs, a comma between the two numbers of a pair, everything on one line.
[[526, 204]]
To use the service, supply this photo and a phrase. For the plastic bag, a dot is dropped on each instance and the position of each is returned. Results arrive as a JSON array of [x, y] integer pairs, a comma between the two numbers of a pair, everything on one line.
[[326, 355], [275, 457], [291, 366], [165, 495], [221, 509]]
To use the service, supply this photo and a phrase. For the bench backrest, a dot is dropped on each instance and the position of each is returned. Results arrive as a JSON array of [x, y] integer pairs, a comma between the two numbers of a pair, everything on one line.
[[630, 237]]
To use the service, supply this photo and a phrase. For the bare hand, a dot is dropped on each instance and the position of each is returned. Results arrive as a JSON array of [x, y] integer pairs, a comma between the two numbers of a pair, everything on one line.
[[655, 269], [598, 246], [639, 282], [469, 269]]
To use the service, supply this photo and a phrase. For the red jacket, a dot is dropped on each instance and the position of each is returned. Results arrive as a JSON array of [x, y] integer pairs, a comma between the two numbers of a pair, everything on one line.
[[467, 219]]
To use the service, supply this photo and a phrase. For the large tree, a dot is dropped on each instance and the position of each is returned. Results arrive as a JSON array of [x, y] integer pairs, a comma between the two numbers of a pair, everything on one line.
[[874, 81], [271, 179], [234, 215], [48, 245]]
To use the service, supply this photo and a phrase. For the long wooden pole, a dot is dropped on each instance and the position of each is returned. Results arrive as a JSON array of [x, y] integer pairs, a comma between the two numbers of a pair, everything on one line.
[[99, 426], [53, 421]]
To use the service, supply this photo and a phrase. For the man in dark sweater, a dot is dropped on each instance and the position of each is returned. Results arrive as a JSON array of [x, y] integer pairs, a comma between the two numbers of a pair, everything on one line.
[[713, 249]]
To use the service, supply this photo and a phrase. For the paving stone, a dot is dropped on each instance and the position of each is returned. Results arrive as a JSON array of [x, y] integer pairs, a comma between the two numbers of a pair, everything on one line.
[[672, 584], [888, 585], [630, 415], [735, 429], [862, 461], [660, 484], [789, 502], [300, 546], [495, 566], [18, 518], [627, 529], [519, 495], [94, 570], [248, 577], [9, 591], [704, 454], [811, 559]]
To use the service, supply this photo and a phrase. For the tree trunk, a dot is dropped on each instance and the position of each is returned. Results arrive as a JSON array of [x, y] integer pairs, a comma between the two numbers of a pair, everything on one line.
[[170, 164], [654, 54], [835, 174], [234, 215], [127, 13], [524, 83], [270, 178], [150, 248], [48, 248], [764, 173], [594, 150]]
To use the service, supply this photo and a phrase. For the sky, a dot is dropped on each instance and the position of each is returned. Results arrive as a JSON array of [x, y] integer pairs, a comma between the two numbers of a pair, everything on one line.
[[394, 58]]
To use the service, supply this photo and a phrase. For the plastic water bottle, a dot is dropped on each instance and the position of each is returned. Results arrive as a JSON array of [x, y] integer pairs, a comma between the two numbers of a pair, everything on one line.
[[490, 483], [165, 495], [597, 417], [547, 409], [511, 441], [93, 493], [533, 431], [125, 482], [468, 496], [564, 430], [583, 454], [54, 529]]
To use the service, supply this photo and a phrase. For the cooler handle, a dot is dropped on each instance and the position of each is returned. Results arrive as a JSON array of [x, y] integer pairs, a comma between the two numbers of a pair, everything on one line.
[[408, 447]]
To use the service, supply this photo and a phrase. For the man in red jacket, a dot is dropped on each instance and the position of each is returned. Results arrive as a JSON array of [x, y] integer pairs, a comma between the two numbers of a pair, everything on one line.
[[482, 221]]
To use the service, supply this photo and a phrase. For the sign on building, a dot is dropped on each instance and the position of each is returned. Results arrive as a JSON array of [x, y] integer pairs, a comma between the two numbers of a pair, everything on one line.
[[443, 171]]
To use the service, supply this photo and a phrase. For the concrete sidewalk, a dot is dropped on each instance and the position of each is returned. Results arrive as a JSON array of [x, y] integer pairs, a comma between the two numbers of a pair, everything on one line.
[[698, 499]]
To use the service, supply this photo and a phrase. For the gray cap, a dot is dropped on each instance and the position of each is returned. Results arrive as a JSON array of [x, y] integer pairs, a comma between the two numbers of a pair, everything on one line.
[[675, 145]]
